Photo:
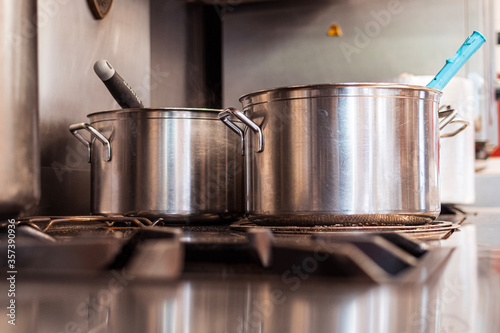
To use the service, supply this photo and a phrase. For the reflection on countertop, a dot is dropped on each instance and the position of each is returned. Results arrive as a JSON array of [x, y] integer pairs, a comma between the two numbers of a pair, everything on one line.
[[463, 297]]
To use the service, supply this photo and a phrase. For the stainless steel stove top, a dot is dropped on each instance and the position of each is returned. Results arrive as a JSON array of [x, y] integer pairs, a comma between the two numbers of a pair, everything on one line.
[[254, 281]]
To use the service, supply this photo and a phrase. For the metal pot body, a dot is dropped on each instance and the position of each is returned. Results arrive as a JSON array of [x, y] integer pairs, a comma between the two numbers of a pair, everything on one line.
[[182, 165], [457, 155], [19, 145], [348, 153]]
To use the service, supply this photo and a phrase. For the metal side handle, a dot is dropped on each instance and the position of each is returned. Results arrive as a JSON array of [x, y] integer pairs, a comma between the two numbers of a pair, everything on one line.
[[448, 116], [224, 116], [93, 132], [464, 123]]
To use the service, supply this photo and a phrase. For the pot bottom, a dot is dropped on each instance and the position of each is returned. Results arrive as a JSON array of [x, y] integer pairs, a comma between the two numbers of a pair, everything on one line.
[[302, 219], [212, 218]]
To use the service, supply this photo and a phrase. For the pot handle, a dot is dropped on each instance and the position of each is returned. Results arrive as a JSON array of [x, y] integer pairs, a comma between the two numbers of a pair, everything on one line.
[[224, 116], [93, 132], [448, 114], [464, 123]]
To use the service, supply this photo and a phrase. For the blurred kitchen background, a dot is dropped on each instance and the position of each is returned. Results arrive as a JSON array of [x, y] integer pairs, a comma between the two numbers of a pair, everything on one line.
[[179, 53]]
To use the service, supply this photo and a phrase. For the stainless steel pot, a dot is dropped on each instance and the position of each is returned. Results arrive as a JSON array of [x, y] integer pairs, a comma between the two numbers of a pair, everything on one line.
[[348, 153], [178, 164], [19, 146]]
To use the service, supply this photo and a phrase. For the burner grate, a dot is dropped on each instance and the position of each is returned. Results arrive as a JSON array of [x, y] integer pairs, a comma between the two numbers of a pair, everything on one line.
[[51, 245], [45, 223], [71, 226], [432, 231]]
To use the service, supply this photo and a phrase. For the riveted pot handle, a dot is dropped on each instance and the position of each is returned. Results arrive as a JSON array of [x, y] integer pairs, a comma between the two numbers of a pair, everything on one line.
[[93, 132], [224, 116]]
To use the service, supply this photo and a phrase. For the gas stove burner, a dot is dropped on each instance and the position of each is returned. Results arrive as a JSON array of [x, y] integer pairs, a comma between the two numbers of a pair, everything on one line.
[[432, 231], [70, 226], [108, 220]]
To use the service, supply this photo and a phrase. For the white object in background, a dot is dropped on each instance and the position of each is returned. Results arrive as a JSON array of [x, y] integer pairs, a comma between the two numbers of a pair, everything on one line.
[[457, 154]]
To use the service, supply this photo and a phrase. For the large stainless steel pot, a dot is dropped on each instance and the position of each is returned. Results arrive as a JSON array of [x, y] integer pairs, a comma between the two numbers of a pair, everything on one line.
[[19, 146], [179, 164], [347, 153]]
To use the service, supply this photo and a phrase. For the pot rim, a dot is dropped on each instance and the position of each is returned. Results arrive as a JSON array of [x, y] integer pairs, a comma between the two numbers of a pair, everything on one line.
[[384, 85], [133, 110]]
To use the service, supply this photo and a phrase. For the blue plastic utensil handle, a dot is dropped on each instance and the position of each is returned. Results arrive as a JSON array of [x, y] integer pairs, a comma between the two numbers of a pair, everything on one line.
[[453, 65]]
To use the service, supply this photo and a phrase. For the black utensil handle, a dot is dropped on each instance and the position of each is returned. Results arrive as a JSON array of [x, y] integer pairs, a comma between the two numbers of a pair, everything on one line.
[[117, 86], [122, 92]]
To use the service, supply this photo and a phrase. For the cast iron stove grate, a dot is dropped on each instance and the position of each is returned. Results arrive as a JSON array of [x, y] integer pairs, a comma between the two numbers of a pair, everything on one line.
[[96, 245]]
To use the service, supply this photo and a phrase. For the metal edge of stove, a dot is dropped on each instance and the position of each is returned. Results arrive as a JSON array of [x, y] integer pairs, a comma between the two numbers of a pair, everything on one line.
[[372, 256], [150, 253]]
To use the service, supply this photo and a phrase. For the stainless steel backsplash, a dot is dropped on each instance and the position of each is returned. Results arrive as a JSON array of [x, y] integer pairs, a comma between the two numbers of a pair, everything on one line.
[[70, 40], [281, 43]]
